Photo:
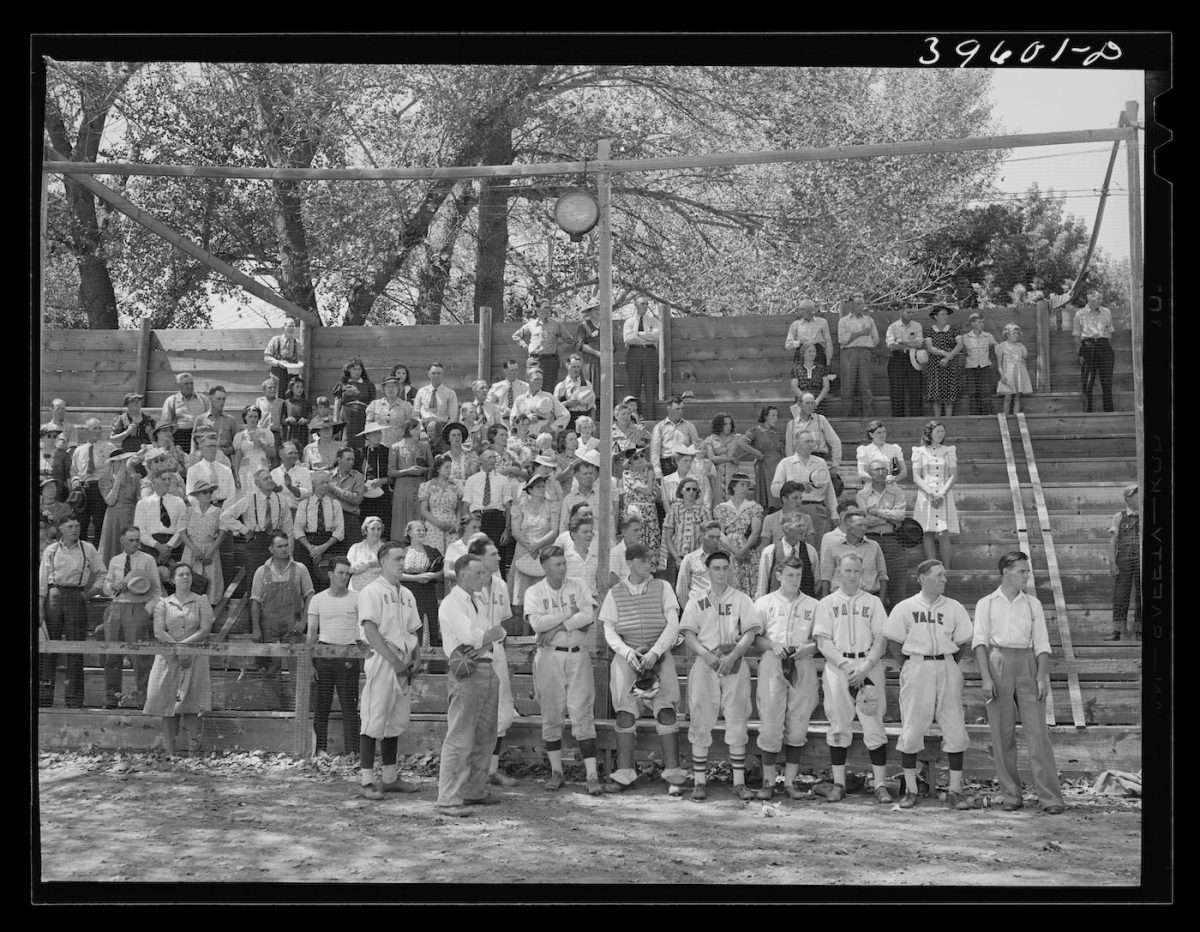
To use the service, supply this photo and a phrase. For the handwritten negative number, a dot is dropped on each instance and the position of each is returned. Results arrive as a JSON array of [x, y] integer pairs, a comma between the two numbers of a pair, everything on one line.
[[969, 48]]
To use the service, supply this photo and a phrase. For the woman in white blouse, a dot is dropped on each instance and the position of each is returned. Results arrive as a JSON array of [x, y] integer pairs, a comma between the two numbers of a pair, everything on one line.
[[364, 556], [877, 445], [935, 467]]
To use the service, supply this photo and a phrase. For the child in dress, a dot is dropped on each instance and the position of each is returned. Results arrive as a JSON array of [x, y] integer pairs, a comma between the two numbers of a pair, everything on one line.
[[1014, 377]]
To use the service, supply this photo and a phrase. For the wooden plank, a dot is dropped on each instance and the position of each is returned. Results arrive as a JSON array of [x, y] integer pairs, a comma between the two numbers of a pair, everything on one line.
[[483, 368], [302, 734], [666, 351], [143, 355], [1134, 181], [247, 339], [1051, 557], [1043, 339], [101, 341]]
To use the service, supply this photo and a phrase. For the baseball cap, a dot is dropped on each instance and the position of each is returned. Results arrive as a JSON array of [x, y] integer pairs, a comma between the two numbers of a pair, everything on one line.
[[1131, 490], [133, 396]]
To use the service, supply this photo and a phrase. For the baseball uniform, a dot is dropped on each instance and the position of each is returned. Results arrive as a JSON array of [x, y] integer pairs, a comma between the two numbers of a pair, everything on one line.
[[562, 667], [785, 704], [494, 596], [719, 623], [851, 623], [637, 619], [930, 682], [385, 702]]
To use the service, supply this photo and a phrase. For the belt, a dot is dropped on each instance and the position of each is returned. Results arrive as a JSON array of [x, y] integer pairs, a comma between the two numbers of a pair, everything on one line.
[[483, 659], [900, 352], [640, 346], [855, 656], [875, 535], [569, 650], [1095, 340], [928, 656], [812, 501], [68, 588]]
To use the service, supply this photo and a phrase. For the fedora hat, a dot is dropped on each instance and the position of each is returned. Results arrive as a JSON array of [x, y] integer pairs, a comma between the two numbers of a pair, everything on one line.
[[529, 564], [139, 583], [591, 457], [373, 427]]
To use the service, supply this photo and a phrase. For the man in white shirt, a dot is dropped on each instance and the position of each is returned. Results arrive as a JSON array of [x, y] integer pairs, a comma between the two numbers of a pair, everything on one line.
[[693, 581], [857, 337], [255, 517], [669, 436], [809, 329], [719, 628], [849, 633], [582, 560], [504, 394], [181, 410], [436, 406], [811, 473], [618, 562], [128, 617], [787, 675], [88, 462], [791, 546], [576, 395], [587, 470], [904, 380], [641, 334], [70, 573], [207, 469], [389, 623], [474, 692], [806, 420], [1012, 649], [491, 494], [320, 528], [561, 612], [545, 412], [488, 412], [931, 630], [161, 517], [293, 478], [333, 619], [851, 538], [640, 616], [1093, 327]]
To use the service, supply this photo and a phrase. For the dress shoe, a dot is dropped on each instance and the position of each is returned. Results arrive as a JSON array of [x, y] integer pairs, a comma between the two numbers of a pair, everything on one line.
[[837, 794], [556, 780], [482, 801], [956, 800], [908, 800], [594, 786], [496, 778], [456, 811], [370, 791], [1012, 807], [882, 795], [400, 786]]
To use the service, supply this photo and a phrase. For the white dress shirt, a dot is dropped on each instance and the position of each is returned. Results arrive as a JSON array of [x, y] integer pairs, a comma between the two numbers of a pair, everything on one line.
[[148, 517], [902, 336], [440, 403], [1020, 623], [139, 563], [851, 324], [301, 477], [650, 333], [204, 471], [667, 437], [306, 516], [462, 620], [815, 331], [502, 491], [498, 395]]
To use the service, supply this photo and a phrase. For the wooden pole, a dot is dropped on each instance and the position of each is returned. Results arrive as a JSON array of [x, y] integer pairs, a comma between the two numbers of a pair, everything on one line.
[[1135, 288], [183, 244], [484, 370], [664, 353], [713, 160], [143, 358], [1043, 338], [604, 524], [302, 734], [306, 352]]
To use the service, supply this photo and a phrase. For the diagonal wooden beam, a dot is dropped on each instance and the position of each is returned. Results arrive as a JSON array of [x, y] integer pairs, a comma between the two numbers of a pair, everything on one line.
[[182, 243]]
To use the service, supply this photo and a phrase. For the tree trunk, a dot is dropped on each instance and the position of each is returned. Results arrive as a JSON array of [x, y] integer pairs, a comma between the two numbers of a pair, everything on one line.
[[434, 273], [96, 295], [295, 277], [492, 253]]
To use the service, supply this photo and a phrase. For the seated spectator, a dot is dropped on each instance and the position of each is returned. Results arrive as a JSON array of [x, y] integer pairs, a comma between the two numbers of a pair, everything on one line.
[[321, 452], [436, 405], [58, 421], [627, 433], [877, 446], [254, 448], [216, 419], [364, 556], [391, 410], [544, 411], [353, 373], [54, 462], [792, 544], [51, 508], [353, 415], [132, 428], [320, 528], [631, 402], [271, 407], [333, 619], [208, 468], [291, 477], [504, 394], [279, 596], [488, 412], [297, 409], [585, 427], [851, 537], [181, 410], [884, 505], [284, 354], [180, 686], [575, 392]]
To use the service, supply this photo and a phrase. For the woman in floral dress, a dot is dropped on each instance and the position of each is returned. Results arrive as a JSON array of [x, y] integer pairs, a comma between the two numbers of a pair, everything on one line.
[[722, 448], [202, 536], [638, 493], [121, 485], [253, 448], [440, 503], [533, 527], [741, 520], [364, 556], [463, 462], [944, 371], [766, 444], [681, 527], [934, 469], [408, 465]]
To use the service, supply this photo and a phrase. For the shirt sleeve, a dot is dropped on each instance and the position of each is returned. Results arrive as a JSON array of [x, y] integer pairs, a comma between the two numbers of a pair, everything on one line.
[[983, 625], [1077, 330], [961, 629], [543, 621], [684, 582], [896, 626], [305, 580], [670, 606], [690, 621], [748, 617], [369, 606], [764, 571], [451, 622], [1041, 639], [256, 585], [826, 559], [339, 522]]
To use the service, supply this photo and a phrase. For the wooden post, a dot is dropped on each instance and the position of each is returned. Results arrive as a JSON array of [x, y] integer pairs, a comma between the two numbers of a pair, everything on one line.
[[604, 524], [664, 353], [1043, 338], [302, 734], [306, 353], [1135, 290], [143, 359], [484, 369]]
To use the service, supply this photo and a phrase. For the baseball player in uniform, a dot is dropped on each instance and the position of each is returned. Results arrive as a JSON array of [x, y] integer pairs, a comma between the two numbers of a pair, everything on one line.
[[932, 630], [719, 628], [641, 621], [849, 633], [787, 675], [389, 623], [494, 594], [561, 611]]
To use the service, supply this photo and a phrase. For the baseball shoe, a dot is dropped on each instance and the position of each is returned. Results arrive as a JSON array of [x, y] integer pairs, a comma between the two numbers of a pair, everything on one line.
[[908, 800], [488, 800], [594, 787], [370, 791], [1115, 636], [496, 778], [743, 792], [1013, 807], [456, 811], [556, 780], [882, 795], [400, 786], [698, 794], [611, 786], [767, 792], [837, 794], [795, 792], [676, 776], [624, 777], [956, 800], [1053, 810]]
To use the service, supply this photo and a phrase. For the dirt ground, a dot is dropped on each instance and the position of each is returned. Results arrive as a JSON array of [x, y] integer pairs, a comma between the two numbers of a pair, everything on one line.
[[139, 817]]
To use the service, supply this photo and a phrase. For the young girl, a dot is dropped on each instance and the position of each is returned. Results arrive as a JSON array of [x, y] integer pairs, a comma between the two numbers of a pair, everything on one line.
[[1014, 377], [586, 428]]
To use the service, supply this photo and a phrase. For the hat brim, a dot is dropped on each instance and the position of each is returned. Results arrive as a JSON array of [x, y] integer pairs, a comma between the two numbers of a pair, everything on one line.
[[454, 425]]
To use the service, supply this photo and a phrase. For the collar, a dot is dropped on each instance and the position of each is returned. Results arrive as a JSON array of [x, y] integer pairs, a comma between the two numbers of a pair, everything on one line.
[[931, 605], [999, 594], [271, 563], [1130, 511]]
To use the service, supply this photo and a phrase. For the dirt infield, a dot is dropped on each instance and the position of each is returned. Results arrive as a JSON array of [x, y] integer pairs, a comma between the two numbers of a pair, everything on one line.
[[125, 817]]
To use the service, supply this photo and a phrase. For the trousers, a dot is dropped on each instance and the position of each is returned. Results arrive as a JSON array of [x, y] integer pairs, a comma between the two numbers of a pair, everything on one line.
[[785, 706], [979, 385], [1096, 359], [1015, 672], [621, 680], [931, 691], [641, 367], [66, 620], [340, 674], [893, 559], [711, 696], [93, 513], [470, 736], [126, 621], [904, 385], [1126, 584], [564, 683], [549, 366], [841, 710], [856, 382]]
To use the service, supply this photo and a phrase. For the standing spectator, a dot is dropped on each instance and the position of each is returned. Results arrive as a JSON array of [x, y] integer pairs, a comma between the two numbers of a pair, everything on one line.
[[809, 375], [133, 585], [270, 405], [256, 517], [132, 428], [979, 345], [1012, 650], [469, 528], [877, 446], [681, 532], [935, 467], [1125, 559], [587, 340], [71, 571], [408, 464], [564, 462], [490, 493], [407, 391], [423, 564], [436, 406], [669, 435], [297, 409], [355, 373], [463, 462], [1014, 377], [790, 498], [534, 526], [352, 414], [642, 333], [587, 470], [476, 427], [284, 353], [806, 420], [391, 411], [857, 337], [333, 619], [544, 411], [903, 338], [630, 529], [58, 421], [321, 452], [723, 448], [377, 486], [208, 469], [291, 477], [180, 686], [943, 372], [884, 505], [120, 484], [202, 535], [640, 492], [54, 462], [182, 409], [807, 330], [169, 454], [87, 465], [216, 419], [741, 520], [440, 502], [504, 394], [364, 556], [254, 448], [1093, 327], [812, 475], [279, 598], [851, 537], [320, 528], [582, 561], [348, 486], [765, 442], [542, 337], [575, 392], [161, 517]]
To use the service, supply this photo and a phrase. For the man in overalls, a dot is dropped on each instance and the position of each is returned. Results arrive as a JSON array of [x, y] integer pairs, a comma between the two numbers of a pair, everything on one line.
[[279, 611], [1125, 557]]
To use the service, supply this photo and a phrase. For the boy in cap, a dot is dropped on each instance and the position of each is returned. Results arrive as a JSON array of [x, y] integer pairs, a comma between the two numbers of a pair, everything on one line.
[[1125, 559]]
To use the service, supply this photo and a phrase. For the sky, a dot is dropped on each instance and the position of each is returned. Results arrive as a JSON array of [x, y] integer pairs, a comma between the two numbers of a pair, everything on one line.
[[1026, 101]]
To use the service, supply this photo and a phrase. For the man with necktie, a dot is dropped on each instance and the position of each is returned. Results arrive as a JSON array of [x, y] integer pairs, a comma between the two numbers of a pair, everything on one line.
[[437, 406], [69, 574], [160, 517], [87, 463], [255, 517], [133, 585], [641, 334], [504, 394], [320, 528]]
